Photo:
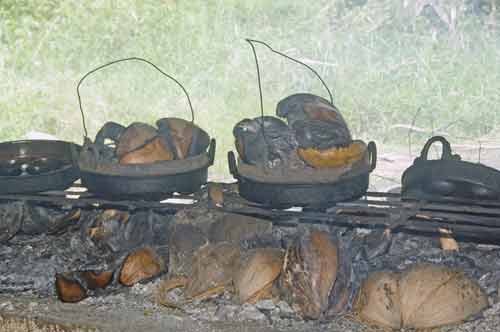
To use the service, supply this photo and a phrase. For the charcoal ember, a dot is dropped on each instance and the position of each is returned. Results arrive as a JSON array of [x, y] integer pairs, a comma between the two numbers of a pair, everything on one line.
[[141, 265], [41, 219], [377, 243], [235, 228], [184, 241], [309, 273], [201, 217], [11, 217], [214, 266], [257, 272], [121, 232], [186, 139]]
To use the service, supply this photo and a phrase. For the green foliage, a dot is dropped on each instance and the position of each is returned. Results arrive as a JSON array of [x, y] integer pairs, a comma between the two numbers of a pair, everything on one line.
[[383, 64]]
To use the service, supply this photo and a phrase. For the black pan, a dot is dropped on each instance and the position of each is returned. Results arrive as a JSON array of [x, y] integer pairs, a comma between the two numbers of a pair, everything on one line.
[[302, 194], [449, 177], [145, 181], [32, 166], [150, 181]]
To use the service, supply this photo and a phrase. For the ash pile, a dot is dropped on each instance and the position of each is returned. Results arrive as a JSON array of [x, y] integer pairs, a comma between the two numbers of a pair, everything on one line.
[[217, 266]]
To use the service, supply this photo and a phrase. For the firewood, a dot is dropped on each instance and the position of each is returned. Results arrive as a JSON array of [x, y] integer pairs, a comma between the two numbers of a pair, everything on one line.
[[141, 265]]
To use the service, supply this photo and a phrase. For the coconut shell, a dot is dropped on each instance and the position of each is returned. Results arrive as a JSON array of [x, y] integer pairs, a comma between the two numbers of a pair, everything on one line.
[[333, 157], [433, 296], [96, 280], [424, 296], [133, 137], [258, 269], [181, 133], [309, 273], [68, 289], [141, 265], [151, 152], [213, 269], [378, 300]]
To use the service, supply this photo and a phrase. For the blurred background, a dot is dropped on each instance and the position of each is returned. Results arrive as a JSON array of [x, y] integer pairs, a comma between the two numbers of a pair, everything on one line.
[[400, 71]]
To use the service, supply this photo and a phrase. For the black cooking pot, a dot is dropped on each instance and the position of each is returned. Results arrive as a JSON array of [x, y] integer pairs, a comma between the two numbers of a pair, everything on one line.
[[31, 166], [311, 188], [153, 180], [449, 177], [311, 193]]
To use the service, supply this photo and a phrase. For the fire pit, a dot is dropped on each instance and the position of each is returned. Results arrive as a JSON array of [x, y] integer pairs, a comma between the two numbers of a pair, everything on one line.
[[95, 236]]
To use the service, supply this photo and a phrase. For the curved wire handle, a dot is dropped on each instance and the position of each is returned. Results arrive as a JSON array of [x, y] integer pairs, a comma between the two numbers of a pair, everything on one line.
[[121, 60], [251, 41]]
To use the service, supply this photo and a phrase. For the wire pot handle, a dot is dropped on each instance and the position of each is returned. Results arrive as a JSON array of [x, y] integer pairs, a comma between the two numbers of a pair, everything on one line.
[[251, 42], [122, 60]]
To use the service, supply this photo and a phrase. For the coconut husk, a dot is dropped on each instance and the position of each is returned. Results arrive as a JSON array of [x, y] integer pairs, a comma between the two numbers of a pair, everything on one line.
[[213, 270], [333, 157], [309, 273], [424, 296], [434, 295], [68, 289], [153, 151], [184, 241], [378, 300], [258, 270], [133, 137], [142, 264]]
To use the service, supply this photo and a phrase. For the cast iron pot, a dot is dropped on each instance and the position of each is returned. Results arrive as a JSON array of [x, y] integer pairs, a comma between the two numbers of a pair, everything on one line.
[[32, 166], [282, 195], [147, 181], [449, 177]]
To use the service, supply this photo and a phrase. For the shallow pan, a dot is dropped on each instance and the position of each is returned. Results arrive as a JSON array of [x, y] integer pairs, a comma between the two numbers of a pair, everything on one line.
[[149, 181], [315, 194], [31, 166]]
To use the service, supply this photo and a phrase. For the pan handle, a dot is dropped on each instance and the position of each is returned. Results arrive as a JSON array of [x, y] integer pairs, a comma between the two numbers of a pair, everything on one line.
[[122, 60], [211, 151], [231, 160], [446, 154], [372, 155]]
